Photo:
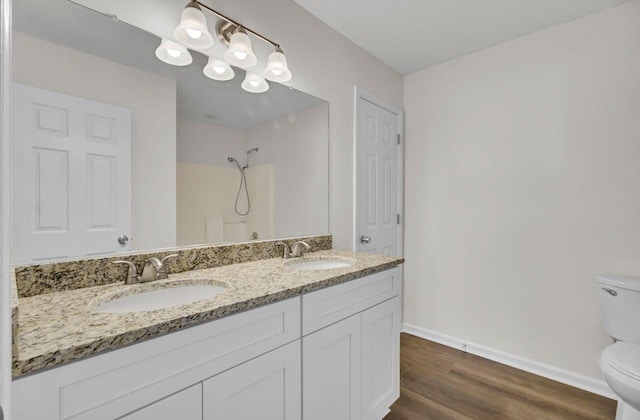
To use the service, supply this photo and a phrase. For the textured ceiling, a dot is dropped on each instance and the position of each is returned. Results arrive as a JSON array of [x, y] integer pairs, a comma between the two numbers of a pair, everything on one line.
[[410, 35]]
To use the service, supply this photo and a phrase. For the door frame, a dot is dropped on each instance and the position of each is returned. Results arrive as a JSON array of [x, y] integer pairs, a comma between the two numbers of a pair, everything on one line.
[[5, 197], [360, 93]]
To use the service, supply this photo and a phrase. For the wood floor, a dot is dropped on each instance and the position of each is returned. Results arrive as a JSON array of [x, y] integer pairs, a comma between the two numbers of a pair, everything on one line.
[[438, 382]]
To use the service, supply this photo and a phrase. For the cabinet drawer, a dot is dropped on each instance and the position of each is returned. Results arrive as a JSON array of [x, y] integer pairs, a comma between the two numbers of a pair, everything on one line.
[[112, 384], [326, 306]]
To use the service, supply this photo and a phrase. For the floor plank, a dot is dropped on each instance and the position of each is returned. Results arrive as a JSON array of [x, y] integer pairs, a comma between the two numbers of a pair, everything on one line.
[[438, 382]]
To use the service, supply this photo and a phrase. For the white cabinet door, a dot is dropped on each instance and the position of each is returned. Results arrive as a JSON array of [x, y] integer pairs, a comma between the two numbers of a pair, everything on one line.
[[265, 388], [184, 405], [380, 358], [331, 366]]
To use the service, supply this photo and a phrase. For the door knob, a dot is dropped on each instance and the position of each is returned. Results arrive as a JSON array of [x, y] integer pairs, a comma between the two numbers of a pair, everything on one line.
[[365, 239], [123, 239]]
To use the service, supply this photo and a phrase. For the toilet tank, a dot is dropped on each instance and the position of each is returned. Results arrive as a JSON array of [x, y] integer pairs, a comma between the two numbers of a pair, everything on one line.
[[620, 298]]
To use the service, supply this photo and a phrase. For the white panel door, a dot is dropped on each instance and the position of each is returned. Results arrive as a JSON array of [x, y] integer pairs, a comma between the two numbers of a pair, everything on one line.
[[183, 405], [380, 358], [377, 180], [331, 362], [71, 176], [265, 388]]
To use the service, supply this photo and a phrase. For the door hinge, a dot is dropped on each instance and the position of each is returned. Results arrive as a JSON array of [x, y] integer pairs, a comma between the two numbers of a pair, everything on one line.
[[398, 218], [398, 138]]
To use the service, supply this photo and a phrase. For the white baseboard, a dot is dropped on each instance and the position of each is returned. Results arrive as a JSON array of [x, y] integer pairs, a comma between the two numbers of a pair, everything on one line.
[[576, 380]]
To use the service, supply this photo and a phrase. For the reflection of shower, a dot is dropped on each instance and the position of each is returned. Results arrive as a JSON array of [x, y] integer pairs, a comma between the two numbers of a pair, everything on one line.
[[243, 181]]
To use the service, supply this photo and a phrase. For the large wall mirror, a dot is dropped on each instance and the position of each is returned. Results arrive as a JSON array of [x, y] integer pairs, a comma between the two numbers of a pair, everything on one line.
[[109, 142]]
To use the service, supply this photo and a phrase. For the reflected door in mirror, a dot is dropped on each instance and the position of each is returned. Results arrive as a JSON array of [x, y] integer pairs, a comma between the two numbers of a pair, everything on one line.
[[72, 176]]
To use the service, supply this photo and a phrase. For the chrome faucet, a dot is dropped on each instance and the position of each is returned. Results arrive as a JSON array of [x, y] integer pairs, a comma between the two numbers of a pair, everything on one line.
[[154, 269], [295, 251]]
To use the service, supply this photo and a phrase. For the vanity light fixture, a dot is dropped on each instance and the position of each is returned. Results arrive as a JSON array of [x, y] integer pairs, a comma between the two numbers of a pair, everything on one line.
[[217, 69], [240, 52], [173, 53], [192, 31], [277, 69], [254, 83]]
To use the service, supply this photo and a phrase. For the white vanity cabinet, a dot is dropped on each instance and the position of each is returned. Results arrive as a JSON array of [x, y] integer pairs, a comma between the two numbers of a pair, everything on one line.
[[351, 348], [329, 354]]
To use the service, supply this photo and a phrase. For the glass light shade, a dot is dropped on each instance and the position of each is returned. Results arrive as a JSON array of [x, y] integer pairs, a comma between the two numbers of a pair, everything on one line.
[[217, 69], [240, 53], [173, 53], [254, 83], [277, 69], [192, 30]]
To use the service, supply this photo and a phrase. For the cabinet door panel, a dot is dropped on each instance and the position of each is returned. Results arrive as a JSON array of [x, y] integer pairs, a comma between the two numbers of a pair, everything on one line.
[[380, 358], [331, 365], [184, 405], [265, 388]]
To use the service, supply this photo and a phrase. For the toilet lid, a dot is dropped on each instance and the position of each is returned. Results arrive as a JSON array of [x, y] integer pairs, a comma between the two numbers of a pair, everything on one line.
[[624, 357]]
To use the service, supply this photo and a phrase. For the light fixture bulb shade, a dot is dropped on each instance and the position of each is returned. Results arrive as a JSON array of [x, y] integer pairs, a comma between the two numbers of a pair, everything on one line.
[[192, 30], [217, 69], [254, 83], [173, 53], [240, 53], [277, 69]]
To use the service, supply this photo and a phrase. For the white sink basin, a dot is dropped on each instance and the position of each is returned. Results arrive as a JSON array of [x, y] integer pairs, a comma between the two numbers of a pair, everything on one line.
[[319, 264], [160, 298]]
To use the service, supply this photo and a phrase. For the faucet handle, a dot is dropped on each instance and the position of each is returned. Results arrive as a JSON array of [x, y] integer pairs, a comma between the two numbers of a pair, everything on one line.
[[296, 250], [162, 261], [286, 252], [132, 274], [162, 271]]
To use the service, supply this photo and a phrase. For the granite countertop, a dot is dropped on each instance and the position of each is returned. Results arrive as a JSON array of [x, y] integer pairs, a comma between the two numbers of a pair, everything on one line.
[[57, 328]]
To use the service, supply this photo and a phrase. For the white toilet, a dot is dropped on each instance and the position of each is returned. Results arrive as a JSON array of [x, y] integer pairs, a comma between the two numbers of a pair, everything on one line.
[[620, 362]]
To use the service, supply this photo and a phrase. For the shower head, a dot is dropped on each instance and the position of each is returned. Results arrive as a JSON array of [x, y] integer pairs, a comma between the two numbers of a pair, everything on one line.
[[255, 149], [233, 160]]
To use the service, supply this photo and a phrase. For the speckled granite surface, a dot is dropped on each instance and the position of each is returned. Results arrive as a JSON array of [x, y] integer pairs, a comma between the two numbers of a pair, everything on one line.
[[60, 327], [37, 279], [14, 314]]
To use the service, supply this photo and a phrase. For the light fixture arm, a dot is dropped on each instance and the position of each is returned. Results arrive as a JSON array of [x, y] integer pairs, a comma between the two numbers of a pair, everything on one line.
[[228, 19]]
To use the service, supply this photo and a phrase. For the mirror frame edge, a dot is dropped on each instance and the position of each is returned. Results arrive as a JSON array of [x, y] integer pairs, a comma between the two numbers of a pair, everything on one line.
[[5, 214]]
